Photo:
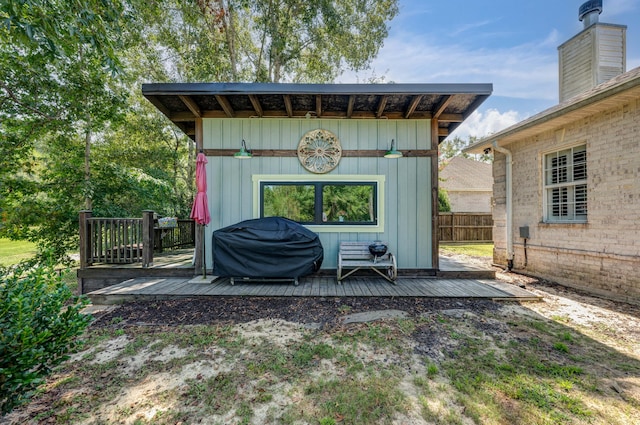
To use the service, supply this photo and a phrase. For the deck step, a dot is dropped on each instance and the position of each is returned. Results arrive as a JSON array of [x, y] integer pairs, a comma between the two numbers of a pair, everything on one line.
[[466, 274], [155, 289]]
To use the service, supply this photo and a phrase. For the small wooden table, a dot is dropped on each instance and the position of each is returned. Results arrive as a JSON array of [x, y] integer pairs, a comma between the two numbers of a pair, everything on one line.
[[356, 255]]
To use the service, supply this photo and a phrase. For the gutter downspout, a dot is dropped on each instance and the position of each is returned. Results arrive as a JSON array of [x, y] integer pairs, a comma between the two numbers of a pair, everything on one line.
[[509, 201]]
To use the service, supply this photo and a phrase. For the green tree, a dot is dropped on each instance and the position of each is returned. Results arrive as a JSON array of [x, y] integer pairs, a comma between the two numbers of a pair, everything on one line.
[[298, 40], [57, 93], [443, 201], [453, 147], [75, 132]]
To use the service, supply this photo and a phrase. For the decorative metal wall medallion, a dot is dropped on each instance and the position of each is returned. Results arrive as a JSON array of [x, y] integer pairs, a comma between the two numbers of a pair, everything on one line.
[[319, 151]]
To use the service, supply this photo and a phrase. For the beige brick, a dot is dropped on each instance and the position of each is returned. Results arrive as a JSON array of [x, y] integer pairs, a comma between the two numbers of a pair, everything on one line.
[[602, 256]]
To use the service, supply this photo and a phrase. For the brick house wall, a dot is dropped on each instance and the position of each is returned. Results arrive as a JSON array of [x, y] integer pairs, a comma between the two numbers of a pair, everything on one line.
[[601, 256]]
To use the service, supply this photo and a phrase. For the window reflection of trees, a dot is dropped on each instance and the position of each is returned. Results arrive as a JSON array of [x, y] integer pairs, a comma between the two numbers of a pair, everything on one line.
[[321, 203], [351, 203], [295, 202]]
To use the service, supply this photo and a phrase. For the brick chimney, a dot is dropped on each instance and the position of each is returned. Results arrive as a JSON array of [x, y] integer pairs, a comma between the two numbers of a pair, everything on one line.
[[595, 55]]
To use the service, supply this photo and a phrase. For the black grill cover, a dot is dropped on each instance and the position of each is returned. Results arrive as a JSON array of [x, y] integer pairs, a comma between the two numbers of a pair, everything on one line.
[[271, 247]]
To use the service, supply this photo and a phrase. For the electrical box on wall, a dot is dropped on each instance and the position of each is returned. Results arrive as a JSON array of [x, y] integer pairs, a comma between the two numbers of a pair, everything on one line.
[[524, 232]]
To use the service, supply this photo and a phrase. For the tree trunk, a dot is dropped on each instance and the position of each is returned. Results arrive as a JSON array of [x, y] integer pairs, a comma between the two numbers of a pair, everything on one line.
[[222, 18]]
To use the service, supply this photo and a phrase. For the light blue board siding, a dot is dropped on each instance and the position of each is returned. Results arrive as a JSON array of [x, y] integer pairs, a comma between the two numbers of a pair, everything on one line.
[[407, 203]]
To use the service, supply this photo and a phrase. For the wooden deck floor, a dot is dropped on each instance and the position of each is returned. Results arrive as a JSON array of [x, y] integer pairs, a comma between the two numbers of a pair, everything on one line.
[[169, 288]]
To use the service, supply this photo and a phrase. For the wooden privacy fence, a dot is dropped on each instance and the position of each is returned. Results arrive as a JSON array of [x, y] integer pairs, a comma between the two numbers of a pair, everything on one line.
[[106, 240], [465, 227]]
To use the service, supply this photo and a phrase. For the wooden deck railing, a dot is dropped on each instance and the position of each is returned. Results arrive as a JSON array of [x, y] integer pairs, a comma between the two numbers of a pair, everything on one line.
[[465, 227], [182, 236], [106, 240]]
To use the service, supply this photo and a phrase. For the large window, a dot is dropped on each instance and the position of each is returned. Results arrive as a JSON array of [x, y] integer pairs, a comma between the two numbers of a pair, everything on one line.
[[565, 184], [320, 203]]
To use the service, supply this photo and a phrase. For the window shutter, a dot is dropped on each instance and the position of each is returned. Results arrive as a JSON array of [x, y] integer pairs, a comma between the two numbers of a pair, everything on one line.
[[579, 165]]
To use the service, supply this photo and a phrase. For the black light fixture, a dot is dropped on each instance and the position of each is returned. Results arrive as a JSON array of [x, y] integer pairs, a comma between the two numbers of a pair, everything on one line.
[[392, 153], [243, 153]]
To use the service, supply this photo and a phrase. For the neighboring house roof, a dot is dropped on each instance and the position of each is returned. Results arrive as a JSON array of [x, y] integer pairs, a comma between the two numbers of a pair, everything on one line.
[[451, 104], [464, 174], [624, 87]]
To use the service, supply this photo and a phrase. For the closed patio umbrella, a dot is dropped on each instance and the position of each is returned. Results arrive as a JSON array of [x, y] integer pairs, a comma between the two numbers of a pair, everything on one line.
[[200, 209]]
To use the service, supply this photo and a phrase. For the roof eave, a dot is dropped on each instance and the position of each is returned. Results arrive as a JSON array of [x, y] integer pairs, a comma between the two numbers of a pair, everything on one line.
[[158, 89], [450, 104]]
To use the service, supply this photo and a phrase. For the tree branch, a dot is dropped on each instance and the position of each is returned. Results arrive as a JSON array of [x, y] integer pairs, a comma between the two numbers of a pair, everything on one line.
[[12, 96]]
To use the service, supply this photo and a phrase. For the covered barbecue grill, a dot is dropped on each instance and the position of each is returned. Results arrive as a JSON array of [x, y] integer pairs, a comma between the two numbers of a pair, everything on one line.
[[271, 248]]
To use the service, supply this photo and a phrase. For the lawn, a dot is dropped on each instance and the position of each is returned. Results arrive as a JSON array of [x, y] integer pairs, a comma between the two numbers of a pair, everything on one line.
[[472, 249], [12, 252]]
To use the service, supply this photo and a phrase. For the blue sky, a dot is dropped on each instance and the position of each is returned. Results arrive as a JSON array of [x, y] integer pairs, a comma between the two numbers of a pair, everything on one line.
[[509, 43]]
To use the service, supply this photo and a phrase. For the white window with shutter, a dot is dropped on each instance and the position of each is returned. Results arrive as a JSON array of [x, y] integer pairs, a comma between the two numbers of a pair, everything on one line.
[[565, 185]]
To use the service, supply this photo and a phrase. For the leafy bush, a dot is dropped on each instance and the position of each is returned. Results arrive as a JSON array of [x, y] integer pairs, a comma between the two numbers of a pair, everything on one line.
[[40, 321], [443, 201]]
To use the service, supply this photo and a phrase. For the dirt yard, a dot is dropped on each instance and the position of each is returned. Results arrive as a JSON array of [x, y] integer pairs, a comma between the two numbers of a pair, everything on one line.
[[571, 358]]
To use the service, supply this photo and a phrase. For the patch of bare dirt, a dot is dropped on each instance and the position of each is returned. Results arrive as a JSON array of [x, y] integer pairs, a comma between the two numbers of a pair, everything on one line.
[[320, 312]]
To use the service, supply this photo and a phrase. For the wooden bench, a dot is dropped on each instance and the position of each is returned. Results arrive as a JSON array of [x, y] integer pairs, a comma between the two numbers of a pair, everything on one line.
[[356, 255]]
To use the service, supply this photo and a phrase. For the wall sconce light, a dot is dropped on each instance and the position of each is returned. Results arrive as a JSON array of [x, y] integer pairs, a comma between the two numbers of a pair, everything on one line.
[[243, 153], [392, 153]]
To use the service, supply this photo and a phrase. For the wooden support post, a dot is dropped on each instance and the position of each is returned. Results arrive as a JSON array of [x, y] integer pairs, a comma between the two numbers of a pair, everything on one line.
[[198, 253], [200, 261], [435, 247], [85, 239], [147, 238]]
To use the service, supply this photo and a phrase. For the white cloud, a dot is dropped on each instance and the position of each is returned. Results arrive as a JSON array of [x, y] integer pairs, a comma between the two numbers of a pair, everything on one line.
[[525, 71], [464, 28], [480, 124]]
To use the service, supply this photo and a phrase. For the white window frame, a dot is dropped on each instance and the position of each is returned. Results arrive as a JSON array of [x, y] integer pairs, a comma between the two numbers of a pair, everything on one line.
[[324, 228], [568, 179]]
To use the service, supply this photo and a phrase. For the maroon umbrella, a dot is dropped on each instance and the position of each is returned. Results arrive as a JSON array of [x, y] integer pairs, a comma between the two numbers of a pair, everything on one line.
[[200, 209]]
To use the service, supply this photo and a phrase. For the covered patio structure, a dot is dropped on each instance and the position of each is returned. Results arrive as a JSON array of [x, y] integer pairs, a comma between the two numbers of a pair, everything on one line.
[[358, 125]]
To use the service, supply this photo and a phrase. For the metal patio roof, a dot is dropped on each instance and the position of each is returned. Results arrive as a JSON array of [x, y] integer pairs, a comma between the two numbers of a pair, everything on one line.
[[450, 104]]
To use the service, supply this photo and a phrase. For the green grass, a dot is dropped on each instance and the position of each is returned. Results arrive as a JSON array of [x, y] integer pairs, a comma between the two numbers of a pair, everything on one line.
[[473, 249], [12, 252]]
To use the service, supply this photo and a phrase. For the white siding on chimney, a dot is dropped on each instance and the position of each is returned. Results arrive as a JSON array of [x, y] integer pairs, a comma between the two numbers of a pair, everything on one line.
[[593, 56]]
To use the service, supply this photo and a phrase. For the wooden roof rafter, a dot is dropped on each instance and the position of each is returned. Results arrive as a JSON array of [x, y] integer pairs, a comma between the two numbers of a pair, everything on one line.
[[442, 106], [381, 105], [191, 104], [288, 105], [226, 105], [413, 105], [351, 102], [255, 102], [449, 104]]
